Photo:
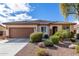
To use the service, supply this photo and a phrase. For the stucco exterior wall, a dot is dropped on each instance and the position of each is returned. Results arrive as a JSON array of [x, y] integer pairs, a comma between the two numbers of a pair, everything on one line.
[[3, 29], [37, 27], [8, 26], [59, 27], [72, 28], [7, 32]]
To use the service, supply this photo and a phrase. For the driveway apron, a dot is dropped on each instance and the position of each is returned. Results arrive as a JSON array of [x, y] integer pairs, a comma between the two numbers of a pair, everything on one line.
[[11, 47]]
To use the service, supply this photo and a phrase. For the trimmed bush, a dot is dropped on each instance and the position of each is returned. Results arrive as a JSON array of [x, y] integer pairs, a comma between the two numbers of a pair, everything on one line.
[[63, 34], [48, 42], [42, 52], [36, 37], [58, 33], [55, 39]]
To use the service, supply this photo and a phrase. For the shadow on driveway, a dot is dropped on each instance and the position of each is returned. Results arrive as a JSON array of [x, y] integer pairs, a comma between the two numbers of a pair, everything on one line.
[[18, 40]]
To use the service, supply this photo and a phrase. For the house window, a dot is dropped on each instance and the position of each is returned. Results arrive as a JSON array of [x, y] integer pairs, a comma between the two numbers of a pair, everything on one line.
[[66, 28], [43, 29]]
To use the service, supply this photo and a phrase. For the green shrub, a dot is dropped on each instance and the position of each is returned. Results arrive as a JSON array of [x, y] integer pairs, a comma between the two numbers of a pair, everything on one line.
[[77, 48], [63, 34], [48, 42], [55, 39], [36, 37], [71, 34], [42, 52], [58, 33]]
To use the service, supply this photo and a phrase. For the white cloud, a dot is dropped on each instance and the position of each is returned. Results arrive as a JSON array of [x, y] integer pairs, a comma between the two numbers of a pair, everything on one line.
[[13, 8], [20, 17], [2, 19], [19, 7]]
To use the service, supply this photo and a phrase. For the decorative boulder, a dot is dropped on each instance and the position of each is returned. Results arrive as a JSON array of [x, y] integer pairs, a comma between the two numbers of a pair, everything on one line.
[[41, 44], [72, 46]]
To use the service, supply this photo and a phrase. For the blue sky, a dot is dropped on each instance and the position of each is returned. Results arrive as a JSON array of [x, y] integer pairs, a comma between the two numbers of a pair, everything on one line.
[[32, 11], [47, 11]]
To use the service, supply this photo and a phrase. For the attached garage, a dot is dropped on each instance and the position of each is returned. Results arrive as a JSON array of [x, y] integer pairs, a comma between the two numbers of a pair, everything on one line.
[[20, 32]]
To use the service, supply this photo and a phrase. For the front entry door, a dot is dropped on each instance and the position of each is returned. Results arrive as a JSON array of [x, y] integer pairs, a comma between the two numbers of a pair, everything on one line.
[[54, 29]]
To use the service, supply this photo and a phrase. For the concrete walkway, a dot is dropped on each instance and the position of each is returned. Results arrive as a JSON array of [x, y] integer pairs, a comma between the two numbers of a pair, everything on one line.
[[10, 48]]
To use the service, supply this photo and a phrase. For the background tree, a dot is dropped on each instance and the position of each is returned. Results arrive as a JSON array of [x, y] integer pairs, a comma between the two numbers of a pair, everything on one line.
[[70, 9]]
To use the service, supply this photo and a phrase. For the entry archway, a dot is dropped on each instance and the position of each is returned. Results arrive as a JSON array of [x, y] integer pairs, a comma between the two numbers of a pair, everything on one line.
[[54, 29]]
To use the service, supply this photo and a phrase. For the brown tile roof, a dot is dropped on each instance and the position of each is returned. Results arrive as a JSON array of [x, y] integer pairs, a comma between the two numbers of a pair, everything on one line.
[[36, 22], [2, 25]]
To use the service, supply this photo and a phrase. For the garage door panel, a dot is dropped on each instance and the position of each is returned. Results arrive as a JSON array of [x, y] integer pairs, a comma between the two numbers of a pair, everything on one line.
[[20, 32]]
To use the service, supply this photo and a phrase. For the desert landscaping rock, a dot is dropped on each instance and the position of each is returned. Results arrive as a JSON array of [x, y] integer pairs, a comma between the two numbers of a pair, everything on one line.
[[30, 50], [72, 46], [41, 44]]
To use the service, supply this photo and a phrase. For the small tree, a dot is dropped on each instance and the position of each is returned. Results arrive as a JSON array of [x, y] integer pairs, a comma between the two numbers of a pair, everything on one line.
[[70, 9]]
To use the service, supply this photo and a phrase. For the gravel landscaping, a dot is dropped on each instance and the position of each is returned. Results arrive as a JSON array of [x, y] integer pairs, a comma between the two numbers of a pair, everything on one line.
[[62, 43], [28, 50], [58, 50]]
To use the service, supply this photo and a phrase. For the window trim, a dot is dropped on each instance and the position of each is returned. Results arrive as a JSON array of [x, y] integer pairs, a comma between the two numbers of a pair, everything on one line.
[[45, 30], [65, 27]]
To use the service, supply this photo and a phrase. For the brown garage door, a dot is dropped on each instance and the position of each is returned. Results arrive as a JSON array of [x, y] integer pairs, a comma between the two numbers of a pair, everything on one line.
[[20, 32]]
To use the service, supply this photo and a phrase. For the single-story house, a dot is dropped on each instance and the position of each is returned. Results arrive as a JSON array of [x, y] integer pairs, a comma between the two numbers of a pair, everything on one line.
[[23, 29]]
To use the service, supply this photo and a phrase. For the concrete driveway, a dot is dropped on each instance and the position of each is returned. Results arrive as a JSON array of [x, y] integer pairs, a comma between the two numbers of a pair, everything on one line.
[[13, 46], [17, 40]]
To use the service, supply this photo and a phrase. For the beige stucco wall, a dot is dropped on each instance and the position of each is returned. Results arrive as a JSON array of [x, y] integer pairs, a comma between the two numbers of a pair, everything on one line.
[[59, 27], [36, 27], [9, 26], [72, 28], [2, 28], [7, 32]]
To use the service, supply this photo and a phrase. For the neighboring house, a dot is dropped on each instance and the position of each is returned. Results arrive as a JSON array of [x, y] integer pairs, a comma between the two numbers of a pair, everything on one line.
[[2, 31], [22, 29]]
